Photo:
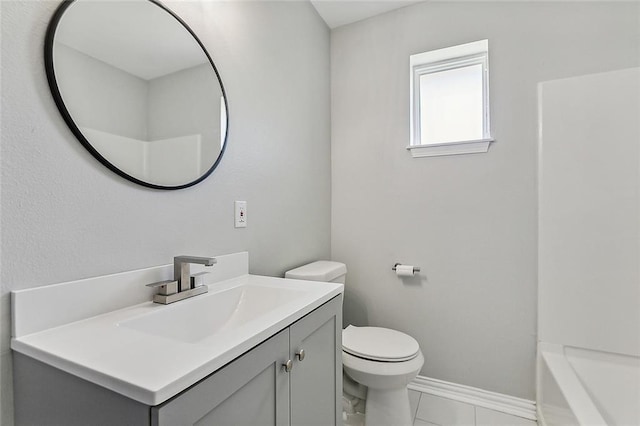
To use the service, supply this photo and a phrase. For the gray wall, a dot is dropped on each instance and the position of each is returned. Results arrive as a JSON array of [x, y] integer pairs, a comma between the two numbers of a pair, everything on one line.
[[103, 97], [469, 221], [64, 216], [187, 102]]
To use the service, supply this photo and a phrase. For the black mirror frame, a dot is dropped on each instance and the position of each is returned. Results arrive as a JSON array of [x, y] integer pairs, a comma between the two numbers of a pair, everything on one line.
[[57, 97]]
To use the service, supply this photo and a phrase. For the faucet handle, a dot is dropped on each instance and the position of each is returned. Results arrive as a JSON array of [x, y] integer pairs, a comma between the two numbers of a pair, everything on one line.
[[197, 280], [165, 288]]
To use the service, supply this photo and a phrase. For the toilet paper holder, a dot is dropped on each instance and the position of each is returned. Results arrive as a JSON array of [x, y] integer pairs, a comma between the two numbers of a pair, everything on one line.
[[415, 268]]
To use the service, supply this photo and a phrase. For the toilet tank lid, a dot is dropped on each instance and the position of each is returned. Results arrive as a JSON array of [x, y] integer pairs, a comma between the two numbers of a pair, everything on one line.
[[322, 270]]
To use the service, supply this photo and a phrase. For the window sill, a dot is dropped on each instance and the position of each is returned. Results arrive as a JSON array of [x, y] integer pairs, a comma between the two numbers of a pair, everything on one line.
[[450, 148]]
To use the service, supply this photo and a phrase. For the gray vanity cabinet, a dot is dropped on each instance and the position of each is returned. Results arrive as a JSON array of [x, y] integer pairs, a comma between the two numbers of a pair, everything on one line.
[[256, 389], [316, 379], [252, 390]]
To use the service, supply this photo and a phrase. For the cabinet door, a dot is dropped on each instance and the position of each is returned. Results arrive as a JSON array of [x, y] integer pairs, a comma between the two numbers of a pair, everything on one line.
[[251, 390], [316, 380]]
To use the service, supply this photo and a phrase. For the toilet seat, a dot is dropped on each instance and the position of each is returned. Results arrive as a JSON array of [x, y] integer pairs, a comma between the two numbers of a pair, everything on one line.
[[381, 374], [379, 344]]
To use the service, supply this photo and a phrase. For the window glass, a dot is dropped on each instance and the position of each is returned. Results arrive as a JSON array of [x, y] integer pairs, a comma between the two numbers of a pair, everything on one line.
[[451, 106]]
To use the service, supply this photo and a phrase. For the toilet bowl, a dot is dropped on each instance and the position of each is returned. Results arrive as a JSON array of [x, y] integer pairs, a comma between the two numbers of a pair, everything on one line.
[[384, 361]]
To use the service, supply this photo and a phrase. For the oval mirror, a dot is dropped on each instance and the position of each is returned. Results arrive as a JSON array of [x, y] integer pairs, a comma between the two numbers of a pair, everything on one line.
[[138, 89]]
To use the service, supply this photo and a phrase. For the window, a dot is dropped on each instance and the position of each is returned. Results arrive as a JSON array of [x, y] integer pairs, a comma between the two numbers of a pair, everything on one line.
[[450, 100]]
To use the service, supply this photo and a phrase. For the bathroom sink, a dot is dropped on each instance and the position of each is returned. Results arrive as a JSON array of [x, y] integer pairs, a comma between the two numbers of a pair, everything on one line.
[[212, 313], [150, 352]]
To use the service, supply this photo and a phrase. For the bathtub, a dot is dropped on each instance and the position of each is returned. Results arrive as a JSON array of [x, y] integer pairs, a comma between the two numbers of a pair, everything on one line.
[[586, 387]]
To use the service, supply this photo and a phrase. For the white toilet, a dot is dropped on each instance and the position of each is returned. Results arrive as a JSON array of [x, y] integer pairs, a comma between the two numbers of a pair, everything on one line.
[[383, 360]]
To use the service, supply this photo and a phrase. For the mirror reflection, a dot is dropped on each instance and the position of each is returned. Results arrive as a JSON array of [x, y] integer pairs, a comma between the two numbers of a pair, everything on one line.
[[139, 90]]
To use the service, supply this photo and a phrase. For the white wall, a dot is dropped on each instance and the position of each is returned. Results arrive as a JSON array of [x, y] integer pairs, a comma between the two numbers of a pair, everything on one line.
[[470, 220], [589, 247], [174, 160], [64, 216], [128, 153]]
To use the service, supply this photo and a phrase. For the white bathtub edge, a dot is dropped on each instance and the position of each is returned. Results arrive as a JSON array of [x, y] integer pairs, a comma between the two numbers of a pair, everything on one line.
[[570, 386]]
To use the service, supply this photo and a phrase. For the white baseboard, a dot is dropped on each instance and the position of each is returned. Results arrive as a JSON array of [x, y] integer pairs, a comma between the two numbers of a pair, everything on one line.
[[479, 397]]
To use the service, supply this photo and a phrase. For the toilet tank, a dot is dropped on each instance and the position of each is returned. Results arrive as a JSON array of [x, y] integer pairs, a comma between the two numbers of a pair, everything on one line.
[[322, 270]]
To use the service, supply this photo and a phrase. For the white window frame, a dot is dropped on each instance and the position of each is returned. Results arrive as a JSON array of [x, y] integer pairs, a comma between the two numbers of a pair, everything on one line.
[[442, 60]]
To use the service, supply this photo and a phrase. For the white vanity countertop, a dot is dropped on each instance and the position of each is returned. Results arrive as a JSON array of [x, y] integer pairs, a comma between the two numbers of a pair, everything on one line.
[[151, 368]]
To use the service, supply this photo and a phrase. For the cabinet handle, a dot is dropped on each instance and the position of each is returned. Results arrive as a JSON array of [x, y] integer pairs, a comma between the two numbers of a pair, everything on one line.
[[288, 366], [300, 354]]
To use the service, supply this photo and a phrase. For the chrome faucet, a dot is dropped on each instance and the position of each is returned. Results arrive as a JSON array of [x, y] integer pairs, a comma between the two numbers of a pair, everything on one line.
[[183, 284], [181, 270]]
